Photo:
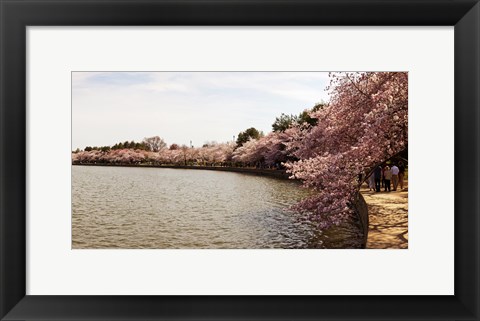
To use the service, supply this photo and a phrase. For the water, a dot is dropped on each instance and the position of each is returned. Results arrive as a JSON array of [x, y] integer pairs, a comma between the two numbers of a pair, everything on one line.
[[158, 208]]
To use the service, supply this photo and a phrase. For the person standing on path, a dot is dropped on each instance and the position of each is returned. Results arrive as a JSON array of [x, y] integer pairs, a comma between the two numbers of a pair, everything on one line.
[[387, 174], [383, 176], [371, 182], [401, 174], [378, 176], [395, 172]]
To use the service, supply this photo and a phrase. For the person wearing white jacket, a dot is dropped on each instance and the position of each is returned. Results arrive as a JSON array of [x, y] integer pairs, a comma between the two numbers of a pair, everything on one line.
[[395, 172]]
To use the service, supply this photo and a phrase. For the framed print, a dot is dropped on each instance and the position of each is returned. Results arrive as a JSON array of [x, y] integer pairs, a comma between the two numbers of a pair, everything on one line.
[[130, 132]]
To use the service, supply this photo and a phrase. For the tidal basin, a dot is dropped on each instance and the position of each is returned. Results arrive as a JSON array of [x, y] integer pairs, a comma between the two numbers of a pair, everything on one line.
[[163, 208]]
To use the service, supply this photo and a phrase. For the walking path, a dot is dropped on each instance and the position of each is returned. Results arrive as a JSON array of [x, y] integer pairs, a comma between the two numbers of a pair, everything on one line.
[[388, 219]]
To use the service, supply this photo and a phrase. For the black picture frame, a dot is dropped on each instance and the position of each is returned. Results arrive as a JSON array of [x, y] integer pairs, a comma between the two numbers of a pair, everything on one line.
[[15, 15]]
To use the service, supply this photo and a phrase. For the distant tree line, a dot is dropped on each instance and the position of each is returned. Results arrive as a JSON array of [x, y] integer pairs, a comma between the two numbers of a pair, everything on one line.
[[152, 144], [252, 148]]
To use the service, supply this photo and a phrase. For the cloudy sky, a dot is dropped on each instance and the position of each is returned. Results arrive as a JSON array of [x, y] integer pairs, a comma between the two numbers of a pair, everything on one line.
[[109, 107]]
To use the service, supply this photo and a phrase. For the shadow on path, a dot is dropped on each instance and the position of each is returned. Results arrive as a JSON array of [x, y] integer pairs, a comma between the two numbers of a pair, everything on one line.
[[388, 219]]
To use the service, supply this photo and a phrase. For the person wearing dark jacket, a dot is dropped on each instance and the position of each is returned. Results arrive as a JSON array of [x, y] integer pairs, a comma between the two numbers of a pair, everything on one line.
[[401, 174], [377, 173]]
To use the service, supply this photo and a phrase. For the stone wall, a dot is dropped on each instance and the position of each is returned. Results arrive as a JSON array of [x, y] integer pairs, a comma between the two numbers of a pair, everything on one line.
[[361, 209], [277, 173]]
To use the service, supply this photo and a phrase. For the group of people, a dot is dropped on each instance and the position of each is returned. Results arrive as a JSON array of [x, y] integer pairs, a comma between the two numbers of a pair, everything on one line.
[[385, 176]]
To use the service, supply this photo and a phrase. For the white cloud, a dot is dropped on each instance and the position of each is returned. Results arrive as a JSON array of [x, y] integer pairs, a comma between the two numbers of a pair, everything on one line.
[[198, 106]]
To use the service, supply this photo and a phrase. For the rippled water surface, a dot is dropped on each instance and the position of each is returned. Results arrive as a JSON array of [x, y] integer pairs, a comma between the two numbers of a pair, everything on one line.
[[128, 207]]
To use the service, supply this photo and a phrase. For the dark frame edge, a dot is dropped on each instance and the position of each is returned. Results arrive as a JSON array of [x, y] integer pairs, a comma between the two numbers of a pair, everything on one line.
[[467, 142], [12, 160], [14, 305]]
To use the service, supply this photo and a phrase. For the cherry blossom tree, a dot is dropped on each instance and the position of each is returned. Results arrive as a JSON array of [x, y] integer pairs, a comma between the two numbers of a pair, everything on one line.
[[250, 152], [364, 125], [277, 143], [214, 153]]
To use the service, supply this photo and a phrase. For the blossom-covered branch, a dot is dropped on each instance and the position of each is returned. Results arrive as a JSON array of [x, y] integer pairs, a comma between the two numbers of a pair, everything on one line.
[[358, 130]]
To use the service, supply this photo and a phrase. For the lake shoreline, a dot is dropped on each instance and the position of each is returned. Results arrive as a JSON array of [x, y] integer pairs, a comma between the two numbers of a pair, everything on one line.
[[135, 208], [276, 173], [362, 211]]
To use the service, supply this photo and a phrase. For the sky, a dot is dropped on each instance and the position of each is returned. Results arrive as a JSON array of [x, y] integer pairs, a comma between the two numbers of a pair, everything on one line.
[[112, 107]]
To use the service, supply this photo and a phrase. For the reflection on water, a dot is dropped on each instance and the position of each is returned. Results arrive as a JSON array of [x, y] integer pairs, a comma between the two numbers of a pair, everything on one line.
[[158, 208]]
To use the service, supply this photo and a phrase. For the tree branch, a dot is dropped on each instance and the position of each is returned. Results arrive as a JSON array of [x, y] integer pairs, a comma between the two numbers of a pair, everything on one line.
[[356, 87]]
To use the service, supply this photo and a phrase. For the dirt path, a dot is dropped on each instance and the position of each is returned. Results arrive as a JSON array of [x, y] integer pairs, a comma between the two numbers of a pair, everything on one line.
[[388, 219]]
